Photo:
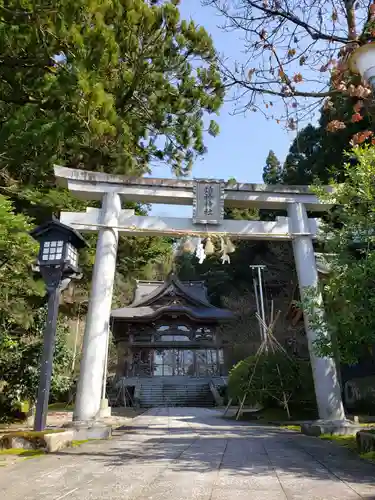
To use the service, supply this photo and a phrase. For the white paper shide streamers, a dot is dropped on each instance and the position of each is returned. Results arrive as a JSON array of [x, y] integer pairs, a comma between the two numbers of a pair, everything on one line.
[[202, 248]]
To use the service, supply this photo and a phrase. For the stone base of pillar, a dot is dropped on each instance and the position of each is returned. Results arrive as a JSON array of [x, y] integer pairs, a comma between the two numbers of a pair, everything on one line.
[[84, 430], [105, 410], [335, 427]]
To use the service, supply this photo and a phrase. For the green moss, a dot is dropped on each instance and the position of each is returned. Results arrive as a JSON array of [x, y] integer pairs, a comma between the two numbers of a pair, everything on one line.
[[296, 428], [79, 442], [22, 453], [35, 438], [33, 434], [83, 441], [36, 453]]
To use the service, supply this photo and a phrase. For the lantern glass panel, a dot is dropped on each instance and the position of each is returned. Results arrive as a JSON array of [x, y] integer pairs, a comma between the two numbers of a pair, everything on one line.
[[71, 255], [52, 250]]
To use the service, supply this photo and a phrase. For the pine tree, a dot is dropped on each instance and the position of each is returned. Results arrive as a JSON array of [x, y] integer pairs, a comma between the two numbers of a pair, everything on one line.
[[112, 86], [301, 165], [272, 170]]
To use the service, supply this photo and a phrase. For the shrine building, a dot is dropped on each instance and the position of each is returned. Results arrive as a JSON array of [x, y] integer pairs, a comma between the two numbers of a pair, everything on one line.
[[170, 348]]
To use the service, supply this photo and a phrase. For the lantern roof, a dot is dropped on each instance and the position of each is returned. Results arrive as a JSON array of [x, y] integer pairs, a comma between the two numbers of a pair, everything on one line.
[[54, 228]]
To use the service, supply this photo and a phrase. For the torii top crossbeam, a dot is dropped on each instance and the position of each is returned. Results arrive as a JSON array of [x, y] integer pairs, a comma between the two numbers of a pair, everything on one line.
[[93, 185]]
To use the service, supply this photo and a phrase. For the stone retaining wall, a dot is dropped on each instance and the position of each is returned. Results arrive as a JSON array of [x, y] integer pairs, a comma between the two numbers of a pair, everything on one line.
[[365, 441], [49, 441]]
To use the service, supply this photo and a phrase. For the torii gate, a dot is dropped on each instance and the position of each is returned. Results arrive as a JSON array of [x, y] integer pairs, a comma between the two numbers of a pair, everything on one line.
[[208, 198]]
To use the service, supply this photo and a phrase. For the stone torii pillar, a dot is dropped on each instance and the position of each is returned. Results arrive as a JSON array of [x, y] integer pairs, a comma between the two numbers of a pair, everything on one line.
[[95, 345], [327, 388]]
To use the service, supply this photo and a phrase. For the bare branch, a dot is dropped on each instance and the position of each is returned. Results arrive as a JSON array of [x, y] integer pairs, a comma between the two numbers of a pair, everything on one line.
[[292, 93], [289, 16], [294, 51]]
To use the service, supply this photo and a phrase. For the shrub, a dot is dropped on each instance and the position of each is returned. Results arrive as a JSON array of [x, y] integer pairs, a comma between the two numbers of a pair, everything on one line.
[[272, 379]]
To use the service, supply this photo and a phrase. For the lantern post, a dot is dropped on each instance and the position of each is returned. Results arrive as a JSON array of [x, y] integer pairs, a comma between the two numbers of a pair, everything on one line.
[[58, 265]]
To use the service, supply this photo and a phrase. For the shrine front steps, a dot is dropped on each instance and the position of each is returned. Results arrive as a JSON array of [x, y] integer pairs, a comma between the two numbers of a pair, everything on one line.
[[174, 394], [173, 391]]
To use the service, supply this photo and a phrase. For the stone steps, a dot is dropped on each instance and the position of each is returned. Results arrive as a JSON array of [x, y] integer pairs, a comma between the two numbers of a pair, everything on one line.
[[163, 394], [173, 391]]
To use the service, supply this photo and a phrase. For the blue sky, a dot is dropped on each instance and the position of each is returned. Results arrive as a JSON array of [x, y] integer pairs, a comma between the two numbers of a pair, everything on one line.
[[243, 144]]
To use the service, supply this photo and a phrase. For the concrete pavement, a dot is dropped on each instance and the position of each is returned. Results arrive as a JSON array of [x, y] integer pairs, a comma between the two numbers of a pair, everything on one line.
[[191, 454]]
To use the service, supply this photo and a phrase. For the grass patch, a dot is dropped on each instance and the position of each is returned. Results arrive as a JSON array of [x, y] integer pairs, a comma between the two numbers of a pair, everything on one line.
[[16, 421], [370, 455], [60, 407], [346, 440], [270, 415], [350, 443]]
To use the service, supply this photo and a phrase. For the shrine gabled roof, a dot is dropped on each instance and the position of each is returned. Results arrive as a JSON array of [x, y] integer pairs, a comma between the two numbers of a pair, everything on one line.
[[173, 286], [146, 306], [151, 313]]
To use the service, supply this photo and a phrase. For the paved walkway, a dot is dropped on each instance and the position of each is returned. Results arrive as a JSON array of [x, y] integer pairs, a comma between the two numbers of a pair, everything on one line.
[[191, 454]]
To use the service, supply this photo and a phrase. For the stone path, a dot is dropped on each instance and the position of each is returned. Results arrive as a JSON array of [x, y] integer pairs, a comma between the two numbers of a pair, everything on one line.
[[191, 454]]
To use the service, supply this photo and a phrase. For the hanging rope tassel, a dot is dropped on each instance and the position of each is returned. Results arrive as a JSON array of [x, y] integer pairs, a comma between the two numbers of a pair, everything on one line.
[[187, 246], [209, 248], [229, 246]]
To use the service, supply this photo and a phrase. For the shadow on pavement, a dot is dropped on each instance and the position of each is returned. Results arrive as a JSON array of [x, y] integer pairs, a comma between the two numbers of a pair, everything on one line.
[[194, 453], [235, 449]]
